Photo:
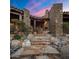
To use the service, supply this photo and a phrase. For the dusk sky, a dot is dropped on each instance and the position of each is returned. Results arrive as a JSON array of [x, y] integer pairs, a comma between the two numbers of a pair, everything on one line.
[[38, 7]]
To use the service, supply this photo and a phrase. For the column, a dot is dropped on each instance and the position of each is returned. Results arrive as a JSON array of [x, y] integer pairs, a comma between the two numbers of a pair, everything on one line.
[[27, 17], [56, 20], [20, 17], [34, 24]]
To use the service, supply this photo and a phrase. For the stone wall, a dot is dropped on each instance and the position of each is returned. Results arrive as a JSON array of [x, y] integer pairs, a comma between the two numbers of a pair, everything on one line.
[[56, 20], [26, 17]]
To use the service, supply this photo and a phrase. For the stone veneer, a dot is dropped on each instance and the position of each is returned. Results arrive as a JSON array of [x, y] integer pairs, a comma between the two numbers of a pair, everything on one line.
[[56, 20], [26, 17]]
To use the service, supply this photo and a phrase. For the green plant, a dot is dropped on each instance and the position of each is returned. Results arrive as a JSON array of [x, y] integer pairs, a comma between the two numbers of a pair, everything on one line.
[[24, 28], [17, 37], [66, 27]]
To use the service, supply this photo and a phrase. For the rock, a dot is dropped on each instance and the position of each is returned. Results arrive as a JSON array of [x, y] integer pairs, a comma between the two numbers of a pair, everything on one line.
[[26, 43], [30, 36], [15, 43], [65, 52]]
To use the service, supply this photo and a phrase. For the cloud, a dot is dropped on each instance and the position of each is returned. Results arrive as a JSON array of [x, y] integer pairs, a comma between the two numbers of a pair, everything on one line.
[[41, 12], [37, 4], [34, 4]]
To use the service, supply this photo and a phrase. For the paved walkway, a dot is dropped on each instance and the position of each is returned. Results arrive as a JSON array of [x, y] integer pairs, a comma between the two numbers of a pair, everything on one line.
[[41, 44]]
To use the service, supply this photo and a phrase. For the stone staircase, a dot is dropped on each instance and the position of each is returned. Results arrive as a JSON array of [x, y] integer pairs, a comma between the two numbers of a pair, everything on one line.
[[40, 48]]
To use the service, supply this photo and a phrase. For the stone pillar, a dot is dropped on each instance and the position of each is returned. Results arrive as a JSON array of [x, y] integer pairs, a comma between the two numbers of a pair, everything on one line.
[[34, 24], [20, 17], [26, 17], [56, 20], [51, 22]]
